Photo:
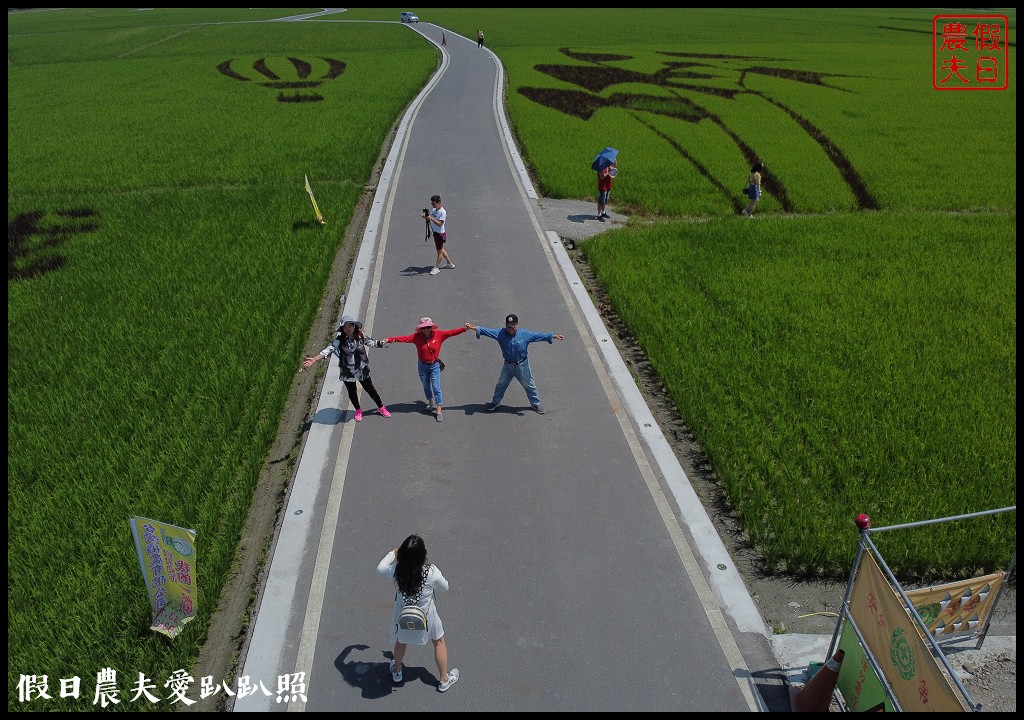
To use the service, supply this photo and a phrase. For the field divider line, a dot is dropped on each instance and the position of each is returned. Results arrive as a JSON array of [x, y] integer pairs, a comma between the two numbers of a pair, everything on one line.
[[157, 42], [373, 243]]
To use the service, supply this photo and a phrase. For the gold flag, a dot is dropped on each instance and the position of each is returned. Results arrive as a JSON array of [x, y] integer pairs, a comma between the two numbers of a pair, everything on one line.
[[319, 217]]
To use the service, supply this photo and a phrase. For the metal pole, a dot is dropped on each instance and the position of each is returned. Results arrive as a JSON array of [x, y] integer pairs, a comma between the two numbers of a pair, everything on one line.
[[849, 585], [919, 523]]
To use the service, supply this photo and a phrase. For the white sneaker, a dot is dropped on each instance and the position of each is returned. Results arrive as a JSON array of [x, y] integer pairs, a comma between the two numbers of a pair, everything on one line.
[[449, 266], [453, 677], [434, 271]]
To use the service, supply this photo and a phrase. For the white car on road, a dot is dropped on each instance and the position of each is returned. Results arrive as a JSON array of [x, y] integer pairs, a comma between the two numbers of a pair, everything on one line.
[[408, 17]]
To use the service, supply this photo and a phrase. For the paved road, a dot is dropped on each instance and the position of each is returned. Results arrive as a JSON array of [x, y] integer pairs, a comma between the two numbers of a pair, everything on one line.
[[584, 573]]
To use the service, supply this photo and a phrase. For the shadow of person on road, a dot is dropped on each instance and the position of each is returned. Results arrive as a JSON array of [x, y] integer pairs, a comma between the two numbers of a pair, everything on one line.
[[469, 409], [329, 416], [511, 410], [336, 416], [403, 408], [416, 270], [374, 678]]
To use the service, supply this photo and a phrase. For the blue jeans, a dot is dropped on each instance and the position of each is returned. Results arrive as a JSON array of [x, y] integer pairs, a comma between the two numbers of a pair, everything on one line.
[[523, 374], [430, 376]]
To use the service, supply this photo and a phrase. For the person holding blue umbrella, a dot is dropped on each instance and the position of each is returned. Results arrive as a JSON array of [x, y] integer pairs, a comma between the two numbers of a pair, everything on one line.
[[606, 166]]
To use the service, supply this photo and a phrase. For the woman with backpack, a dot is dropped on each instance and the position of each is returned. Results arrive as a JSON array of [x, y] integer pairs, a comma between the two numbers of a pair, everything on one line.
[[414, 619], [353, 362]]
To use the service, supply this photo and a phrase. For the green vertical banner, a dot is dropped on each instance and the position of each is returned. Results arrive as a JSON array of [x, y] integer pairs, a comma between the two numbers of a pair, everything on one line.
[[167, 557], [858, 683]]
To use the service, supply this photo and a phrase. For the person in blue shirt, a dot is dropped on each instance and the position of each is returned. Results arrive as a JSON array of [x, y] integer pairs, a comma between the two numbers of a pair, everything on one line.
[[514, 343]]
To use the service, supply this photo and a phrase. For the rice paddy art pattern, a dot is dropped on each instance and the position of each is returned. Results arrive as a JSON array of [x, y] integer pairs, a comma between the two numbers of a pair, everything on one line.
[[693, 74], [303, 70], [33, 242]]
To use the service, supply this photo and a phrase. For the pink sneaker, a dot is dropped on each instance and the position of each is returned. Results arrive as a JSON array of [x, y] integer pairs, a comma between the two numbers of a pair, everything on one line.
[[359, 415], [384, 411]]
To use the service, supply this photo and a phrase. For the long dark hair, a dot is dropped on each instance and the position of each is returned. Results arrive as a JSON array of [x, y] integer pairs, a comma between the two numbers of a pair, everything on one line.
[[411, 566]]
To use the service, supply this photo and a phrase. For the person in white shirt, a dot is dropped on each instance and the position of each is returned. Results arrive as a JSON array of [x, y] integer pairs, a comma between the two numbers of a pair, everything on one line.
[[436, 216], [416, 580]]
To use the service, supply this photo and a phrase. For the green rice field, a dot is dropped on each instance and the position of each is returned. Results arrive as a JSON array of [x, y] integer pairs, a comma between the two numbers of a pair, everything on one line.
[[164, 271]]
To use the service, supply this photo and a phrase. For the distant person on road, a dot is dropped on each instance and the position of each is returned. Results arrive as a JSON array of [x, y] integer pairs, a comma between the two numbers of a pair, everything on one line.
[[417, 580], [353, 361], [436, 216], [753, 190], [444, 41], [479, 38], [428, 339], [514, 342], [604, 190]]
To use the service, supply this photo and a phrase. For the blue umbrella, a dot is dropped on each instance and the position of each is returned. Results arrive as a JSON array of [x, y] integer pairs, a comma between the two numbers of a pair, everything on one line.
[[604, 158]]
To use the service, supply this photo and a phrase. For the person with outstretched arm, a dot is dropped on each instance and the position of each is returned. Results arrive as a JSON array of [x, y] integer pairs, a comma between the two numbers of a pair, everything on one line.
[[514, 341]]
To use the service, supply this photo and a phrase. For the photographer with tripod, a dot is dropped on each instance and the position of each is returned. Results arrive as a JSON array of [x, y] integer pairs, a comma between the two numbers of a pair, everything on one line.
[[435, 218]]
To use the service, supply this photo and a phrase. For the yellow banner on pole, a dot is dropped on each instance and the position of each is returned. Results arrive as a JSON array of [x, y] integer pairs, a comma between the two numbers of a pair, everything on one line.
[[309, 189], [957, 607], [167, 557], [892, 636]]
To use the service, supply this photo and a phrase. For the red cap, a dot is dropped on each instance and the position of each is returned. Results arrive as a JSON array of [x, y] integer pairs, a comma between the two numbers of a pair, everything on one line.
[[863, 522]]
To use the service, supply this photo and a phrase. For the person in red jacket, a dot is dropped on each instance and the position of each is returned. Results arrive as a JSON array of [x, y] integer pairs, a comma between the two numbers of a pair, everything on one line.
[[428, 339]]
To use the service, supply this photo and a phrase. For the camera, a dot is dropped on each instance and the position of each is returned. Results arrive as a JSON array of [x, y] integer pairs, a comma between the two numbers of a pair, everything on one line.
[[425, 211]]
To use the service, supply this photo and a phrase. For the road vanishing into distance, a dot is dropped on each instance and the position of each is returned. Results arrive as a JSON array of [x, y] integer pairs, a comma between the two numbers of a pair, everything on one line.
[[584, 572]]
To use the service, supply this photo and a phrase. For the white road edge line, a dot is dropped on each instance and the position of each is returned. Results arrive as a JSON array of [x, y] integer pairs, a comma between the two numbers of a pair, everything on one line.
[[264, 656]]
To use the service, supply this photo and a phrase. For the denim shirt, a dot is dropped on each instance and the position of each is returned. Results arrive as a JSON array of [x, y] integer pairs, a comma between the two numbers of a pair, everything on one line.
[[513, 347]]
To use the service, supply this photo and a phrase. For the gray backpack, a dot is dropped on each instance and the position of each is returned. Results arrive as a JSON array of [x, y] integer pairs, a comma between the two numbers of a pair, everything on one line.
[[413, 617]]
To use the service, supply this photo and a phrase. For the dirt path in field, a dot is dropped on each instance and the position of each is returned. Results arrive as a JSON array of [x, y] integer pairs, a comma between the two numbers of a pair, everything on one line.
[[788, 605]]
